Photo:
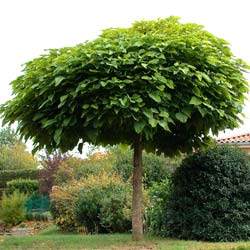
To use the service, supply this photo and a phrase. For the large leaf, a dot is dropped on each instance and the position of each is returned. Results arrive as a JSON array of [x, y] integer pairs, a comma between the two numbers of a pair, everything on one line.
[[181, 117], [139, 126], [155, 96], [195, 101], [57, 136], [58, 80]]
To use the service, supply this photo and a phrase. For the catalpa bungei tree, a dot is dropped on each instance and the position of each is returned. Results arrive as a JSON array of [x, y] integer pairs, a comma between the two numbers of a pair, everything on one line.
[[159, 85]]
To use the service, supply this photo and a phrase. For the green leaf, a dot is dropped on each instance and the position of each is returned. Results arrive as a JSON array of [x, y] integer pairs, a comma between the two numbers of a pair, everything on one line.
[[206, 77], [160, 87], [57, 136], [123, 101], [164, 124], [47, 123], [185, 70], [195, 101], [164, 80], [164, 114], [197, 91], [153, 122], [202, 111], [66, 121], [94, 105], [146, 78], [155, 97], [85, 106], [63, 98], [58, 80], [37, 116], [103, 84], [208, 105], [147, 112], [139, 126], [181, 117]]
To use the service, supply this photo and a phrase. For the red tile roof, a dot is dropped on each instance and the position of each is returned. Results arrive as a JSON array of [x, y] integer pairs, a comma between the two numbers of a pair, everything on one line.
[[245, 138]]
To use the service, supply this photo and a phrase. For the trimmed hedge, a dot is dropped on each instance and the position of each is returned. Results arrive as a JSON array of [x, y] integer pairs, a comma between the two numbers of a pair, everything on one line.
[[8, 175], [210, 197], [26, 186]]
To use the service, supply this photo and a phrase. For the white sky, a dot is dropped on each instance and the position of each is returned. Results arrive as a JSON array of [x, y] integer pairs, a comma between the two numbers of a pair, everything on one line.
[[27, 27]]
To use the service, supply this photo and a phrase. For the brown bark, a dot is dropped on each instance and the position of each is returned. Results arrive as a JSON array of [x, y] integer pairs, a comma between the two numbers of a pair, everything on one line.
[[137, 225]]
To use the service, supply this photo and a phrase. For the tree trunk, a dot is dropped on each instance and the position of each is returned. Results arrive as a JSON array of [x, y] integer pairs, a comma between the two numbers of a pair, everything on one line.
[[137, 225]]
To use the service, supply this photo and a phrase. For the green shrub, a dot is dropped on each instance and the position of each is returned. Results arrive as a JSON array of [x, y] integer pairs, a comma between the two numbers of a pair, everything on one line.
[[74, 169], [8, 175], [103, 205], [12, 208], [155, 167], [210, 197], [155, 212], [98, 203], [26, 186], [36, 216], [62, 206]]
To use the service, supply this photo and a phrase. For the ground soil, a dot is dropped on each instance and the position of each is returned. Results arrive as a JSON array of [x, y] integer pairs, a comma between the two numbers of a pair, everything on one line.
[[25, 228]]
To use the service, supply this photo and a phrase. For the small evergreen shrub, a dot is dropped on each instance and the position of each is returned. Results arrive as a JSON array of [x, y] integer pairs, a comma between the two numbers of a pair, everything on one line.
[[26, 186], [209, 197], [12, 210]]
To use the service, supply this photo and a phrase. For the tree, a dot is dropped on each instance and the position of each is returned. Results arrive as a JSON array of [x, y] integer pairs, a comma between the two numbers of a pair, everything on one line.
[[50, 163], [16, 157], [158, 85], [13, 154], [8, 137]]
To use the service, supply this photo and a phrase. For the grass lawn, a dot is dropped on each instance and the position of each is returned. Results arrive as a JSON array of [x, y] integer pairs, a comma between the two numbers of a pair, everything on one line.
[[52, 239]]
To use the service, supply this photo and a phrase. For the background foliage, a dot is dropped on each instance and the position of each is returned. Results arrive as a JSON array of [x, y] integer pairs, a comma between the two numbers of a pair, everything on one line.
[[16, 157], [25, 186], [155, 167], [8, 137], [8, 175]]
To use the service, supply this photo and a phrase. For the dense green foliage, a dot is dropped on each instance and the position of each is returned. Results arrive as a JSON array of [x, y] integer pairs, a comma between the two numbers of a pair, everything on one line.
[[99, 203], [209, 197], [8, 175], [155, 167], [12, 208], [156, 212], [170, 82], [104, 207], [26, 186], [62, 208]]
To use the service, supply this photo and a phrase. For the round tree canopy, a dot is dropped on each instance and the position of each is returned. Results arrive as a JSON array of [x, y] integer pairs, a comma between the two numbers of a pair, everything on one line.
[[172, 83]]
